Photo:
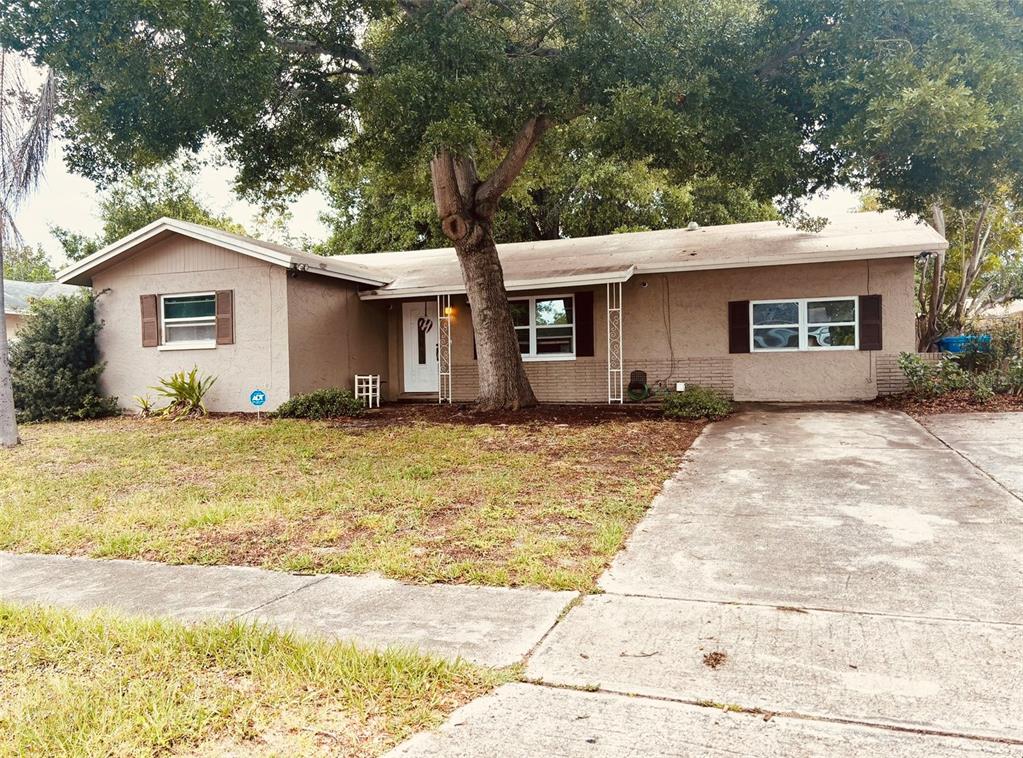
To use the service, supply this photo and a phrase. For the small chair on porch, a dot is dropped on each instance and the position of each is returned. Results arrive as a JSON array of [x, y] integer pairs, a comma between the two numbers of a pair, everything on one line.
[[367, 389]]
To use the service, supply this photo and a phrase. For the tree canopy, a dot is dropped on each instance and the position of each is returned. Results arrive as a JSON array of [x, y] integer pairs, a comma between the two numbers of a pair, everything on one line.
[[27, 264], [140, 199], [568, 190]]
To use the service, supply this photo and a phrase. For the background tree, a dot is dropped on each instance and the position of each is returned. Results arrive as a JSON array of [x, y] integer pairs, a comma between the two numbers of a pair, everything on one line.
[[567, 190], [27, 264], [140, 199], [927, 117], [26, 120], [916, 99]]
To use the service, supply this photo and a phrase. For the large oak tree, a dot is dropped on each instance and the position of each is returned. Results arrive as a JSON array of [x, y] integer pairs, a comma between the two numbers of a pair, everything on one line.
[[781, 96]]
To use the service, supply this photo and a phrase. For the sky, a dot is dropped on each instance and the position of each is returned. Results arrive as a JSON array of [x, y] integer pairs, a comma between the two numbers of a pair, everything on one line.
[[67, 200]]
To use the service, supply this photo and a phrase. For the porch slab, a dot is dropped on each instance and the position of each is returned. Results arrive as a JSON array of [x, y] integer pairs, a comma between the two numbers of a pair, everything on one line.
[[523, 721], [943, 676]]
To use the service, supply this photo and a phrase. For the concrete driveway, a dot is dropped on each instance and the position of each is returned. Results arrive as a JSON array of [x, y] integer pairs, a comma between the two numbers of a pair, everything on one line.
[[815, 581]]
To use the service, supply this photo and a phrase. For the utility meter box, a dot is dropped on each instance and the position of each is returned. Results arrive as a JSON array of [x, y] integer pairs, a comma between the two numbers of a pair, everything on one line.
[[680, 386]]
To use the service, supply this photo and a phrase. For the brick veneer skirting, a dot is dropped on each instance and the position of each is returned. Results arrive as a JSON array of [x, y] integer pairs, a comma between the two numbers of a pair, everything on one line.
[[890, 379], [585, 380]]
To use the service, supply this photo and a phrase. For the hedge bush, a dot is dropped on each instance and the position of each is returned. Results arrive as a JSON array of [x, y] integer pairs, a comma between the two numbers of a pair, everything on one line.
[[332, 402], [56, 364], [695, 403]]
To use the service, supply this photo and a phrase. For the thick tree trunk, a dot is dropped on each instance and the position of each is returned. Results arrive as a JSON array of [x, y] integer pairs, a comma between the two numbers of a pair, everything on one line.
[[503, 381], [466, 206], [8, 425]]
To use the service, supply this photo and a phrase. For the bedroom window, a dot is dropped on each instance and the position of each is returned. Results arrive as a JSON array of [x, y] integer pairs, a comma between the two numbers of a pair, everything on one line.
[[825, 323], [189, 320], [545, 327]]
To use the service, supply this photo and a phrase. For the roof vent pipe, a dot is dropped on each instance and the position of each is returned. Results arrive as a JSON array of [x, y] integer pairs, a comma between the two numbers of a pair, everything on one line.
[[693, 226]]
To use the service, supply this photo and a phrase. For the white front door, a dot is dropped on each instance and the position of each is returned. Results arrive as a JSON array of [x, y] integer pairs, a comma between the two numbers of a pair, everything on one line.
[[419, 335]]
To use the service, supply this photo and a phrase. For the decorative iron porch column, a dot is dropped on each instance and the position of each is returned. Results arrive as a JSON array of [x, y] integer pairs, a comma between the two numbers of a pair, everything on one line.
[[615, 368], [444, 349]]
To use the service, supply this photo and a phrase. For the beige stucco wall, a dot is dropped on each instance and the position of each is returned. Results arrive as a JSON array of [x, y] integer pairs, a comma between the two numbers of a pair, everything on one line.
[[259, 357], [676, 329], [13, 322], [332, 335]]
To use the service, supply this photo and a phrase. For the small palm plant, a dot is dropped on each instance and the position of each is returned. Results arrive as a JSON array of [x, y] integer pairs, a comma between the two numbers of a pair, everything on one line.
[[145, 406], [186, 392]]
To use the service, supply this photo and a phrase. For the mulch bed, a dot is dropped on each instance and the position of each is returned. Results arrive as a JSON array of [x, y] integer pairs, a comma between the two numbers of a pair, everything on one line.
[[960, 401], [465, 413]]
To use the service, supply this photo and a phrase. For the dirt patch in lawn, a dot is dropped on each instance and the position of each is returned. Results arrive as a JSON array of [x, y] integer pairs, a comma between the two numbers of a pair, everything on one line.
[[960, 401], [416, 492]]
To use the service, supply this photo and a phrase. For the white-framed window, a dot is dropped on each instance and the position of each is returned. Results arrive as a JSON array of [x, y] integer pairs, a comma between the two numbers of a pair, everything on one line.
[[545, 326], [189, 319], [820, 323]]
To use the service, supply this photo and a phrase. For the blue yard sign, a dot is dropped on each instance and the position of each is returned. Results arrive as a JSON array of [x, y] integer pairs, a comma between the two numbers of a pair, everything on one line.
[[257, 398]]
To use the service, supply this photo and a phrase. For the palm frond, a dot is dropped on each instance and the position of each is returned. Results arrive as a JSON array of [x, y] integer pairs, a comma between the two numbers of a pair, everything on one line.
[[34, 146]]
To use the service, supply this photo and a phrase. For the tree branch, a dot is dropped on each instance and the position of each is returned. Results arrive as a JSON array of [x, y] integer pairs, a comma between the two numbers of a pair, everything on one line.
[[466, 178], [342, 52], [447, 197], [770, 67], [511, 165]]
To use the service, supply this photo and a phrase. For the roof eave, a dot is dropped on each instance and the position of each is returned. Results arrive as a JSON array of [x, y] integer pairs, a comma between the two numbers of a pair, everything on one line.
[[511, 286], [79, 272], [905, 251]]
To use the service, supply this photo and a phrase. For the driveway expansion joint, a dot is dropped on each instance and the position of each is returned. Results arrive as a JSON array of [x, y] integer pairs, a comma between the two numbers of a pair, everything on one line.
[[807, 609], [767, 713]]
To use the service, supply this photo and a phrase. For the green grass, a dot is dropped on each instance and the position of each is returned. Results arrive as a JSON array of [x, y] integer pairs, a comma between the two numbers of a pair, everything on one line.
[[539, 504], [100, 685]]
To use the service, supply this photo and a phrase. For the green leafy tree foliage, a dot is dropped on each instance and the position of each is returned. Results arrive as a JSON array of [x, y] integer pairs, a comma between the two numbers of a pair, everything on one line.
[[27, 264], [983, 266], [915, 98], [567, 190], [55, 362], [140, 199]]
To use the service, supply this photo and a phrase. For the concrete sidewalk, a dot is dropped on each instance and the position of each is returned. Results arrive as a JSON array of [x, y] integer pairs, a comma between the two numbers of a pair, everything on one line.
[[491, 626]]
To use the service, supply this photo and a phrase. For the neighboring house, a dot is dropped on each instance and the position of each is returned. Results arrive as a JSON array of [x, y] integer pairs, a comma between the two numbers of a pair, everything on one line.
[[18, 297], [761, 310]]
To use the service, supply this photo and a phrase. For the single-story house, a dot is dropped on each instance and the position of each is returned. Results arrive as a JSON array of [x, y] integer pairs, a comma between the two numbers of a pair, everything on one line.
[[761, 310], [19, 295]]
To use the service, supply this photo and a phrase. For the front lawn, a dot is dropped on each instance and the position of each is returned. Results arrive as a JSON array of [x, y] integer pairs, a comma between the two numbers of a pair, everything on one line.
[[421, 494], [100, 685]]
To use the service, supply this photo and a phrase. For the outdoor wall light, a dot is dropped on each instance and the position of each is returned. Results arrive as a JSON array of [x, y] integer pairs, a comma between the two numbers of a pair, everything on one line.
[[449, 311]]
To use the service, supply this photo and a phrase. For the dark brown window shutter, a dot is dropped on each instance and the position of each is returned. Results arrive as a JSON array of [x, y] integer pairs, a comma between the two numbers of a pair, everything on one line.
[[584, 324], [870, 322], [738, 326], [150, 321], [225, 317]]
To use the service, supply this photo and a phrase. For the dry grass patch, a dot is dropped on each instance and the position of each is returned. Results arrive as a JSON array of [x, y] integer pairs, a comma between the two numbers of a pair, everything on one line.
[[422, 494], [100, 685]]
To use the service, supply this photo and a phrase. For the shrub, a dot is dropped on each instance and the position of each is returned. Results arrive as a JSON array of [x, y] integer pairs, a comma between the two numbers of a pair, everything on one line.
[[186, 392], [55, 362], [332, 402], [921, 376], [696, 403], [983, 386], [1013, 380]]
